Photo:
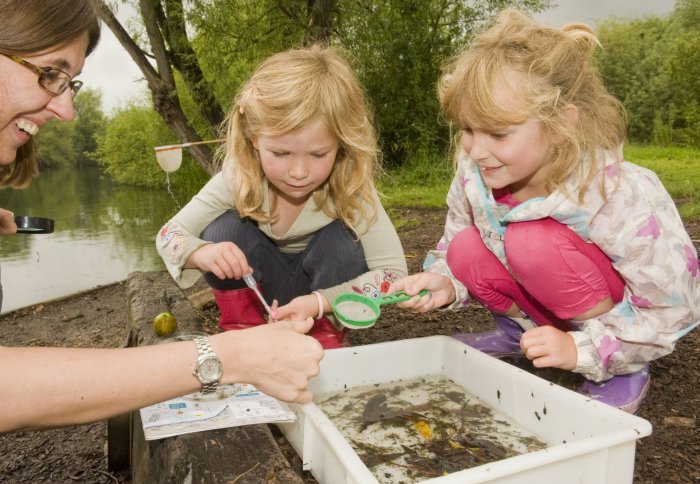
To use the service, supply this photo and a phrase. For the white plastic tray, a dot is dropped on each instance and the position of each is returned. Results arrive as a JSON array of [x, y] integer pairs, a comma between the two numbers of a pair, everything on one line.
[[589, 442]]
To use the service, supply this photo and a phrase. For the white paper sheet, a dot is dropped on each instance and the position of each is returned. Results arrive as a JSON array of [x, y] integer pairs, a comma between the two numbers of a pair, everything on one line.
[[230, 406]]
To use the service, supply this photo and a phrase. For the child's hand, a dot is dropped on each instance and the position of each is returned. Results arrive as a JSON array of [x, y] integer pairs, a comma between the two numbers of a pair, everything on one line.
[[7, 222], [547, 346], [224, 259], [300, 307], [442, 292]]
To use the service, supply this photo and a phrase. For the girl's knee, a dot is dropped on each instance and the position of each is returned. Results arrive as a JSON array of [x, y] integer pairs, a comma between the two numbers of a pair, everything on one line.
[[466, 249], [334, 255], [471, 262], [229, 227], [222, 228], [529, 245]]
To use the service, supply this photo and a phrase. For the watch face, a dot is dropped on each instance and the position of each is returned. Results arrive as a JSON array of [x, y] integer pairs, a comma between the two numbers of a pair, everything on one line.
[[210, 370]]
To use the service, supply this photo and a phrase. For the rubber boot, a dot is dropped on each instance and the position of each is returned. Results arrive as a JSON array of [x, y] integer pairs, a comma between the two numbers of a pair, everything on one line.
[[239, 309], [328, 335], [625, 392], [501, 342]]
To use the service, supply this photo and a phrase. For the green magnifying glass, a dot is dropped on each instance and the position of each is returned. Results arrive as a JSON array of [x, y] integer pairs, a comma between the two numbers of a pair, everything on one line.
[[355, 311]]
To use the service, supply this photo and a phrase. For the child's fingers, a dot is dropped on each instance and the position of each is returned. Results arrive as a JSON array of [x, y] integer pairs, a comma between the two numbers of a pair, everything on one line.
[[217, 269], [535, 337], [417, 303], [274, 314], [532, 352], [528, 340], [545, 362], [426, 302]]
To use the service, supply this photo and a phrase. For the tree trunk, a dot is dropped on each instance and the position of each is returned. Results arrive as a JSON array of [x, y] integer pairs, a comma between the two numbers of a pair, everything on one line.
[[320, 29], [160, 79]]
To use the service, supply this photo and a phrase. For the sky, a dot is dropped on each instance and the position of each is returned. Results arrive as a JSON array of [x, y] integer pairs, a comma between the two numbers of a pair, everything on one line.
[[111, 69]]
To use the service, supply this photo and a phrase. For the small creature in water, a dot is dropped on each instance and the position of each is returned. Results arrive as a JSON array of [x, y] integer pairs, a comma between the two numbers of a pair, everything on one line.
[[377, 410], [447, 431]]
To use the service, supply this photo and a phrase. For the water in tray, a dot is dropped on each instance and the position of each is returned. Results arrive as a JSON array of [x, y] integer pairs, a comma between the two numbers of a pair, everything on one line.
[[412, 430]]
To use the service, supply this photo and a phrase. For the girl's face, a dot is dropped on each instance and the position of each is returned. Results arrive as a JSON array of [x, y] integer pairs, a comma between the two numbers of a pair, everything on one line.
[[24, 105], [515, 157], [297, 163]]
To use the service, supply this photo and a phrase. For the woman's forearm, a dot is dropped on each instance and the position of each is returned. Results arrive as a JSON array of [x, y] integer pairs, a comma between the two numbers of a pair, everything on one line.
[[49, 387]]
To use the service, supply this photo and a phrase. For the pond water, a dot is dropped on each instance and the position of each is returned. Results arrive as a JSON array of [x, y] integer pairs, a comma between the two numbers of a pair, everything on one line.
[[103, 231]]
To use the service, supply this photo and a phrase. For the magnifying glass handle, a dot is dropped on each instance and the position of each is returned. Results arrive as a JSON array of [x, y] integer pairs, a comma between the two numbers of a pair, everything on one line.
[[399, 296]]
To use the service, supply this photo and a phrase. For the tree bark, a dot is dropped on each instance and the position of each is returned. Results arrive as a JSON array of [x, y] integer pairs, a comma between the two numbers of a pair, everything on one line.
[[320, 29], [184, 59], [160, 79]]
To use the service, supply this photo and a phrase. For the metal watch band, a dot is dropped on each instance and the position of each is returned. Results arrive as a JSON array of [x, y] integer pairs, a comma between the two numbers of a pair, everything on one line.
[[204, 351], [209, 387]]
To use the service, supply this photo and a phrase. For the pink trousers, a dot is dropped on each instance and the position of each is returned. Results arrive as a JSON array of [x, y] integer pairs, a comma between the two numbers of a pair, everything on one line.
[[556, 275]]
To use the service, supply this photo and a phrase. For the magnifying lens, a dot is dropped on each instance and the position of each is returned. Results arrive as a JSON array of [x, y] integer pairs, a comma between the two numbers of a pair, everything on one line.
[[355, 311], [33, 225]]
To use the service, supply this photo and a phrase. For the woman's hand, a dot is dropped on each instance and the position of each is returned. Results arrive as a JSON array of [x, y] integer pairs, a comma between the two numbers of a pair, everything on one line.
[[441, 291], [300, 307], [7, 222], [224, 259], [279, 359], [547, 346]]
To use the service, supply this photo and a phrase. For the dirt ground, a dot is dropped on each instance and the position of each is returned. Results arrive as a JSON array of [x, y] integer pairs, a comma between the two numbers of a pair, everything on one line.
[[98, 318]]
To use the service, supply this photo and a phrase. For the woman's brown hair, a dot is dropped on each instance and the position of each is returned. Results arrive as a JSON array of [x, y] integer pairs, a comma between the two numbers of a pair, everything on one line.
[[32, 27]]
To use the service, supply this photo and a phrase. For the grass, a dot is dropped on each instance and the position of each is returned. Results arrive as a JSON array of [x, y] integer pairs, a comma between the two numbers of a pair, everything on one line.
[[425, 185], [415, 185], [678, 169]]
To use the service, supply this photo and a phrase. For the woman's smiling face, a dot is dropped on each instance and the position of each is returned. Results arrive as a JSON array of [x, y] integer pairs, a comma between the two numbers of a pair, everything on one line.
[[24, 105]]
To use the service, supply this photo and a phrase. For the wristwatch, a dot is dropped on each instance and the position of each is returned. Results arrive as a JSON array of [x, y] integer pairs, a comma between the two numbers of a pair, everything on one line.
[[209, 369]]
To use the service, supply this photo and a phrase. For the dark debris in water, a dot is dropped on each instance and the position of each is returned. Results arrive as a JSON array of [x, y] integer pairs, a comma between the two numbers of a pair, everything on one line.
[[441, 432], [377, 410]]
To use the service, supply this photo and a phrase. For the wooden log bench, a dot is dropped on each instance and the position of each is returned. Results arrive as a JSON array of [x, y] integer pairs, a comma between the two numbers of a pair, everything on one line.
[[247, 454]]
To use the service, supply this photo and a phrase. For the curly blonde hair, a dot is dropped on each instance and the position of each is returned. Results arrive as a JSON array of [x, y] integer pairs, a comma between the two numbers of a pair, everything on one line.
[[287, 91], [556, 72]]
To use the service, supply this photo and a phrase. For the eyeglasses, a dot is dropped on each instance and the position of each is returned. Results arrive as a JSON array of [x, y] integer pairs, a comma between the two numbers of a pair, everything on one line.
[[52, 80]]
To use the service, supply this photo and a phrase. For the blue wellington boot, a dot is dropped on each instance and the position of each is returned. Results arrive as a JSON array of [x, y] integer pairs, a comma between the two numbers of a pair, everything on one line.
[[501, 342], [625, 392]]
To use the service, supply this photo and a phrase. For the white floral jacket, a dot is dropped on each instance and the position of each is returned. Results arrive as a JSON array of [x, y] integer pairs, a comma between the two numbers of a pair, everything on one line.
[[639, 229]]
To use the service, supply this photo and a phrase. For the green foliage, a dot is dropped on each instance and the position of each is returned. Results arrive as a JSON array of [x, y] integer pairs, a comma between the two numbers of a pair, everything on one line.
[[55, 145], [233, 37], [653, 67], [400, 47], [126, 150], [62, 144], [89, 124], [629, 65]]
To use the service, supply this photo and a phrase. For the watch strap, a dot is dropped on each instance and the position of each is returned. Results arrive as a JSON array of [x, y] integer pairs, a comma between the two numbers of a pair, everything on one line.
[[204, 351]]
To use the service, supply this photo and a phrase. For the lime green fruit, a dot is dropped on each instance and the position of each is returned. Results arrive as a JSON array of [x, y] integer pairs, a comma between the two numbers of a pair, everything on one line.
[[164, 324]]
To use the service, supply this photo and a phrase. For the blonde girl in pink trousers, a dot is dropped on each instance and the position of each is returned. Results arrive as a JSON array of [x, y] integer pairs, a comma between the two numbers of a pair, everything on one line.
[[580, 255]]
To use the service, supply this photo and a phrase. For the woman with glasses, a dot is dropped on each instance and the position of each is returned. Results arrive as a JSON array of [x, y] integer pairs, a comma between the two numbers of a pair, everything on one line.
[[43, 45]]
